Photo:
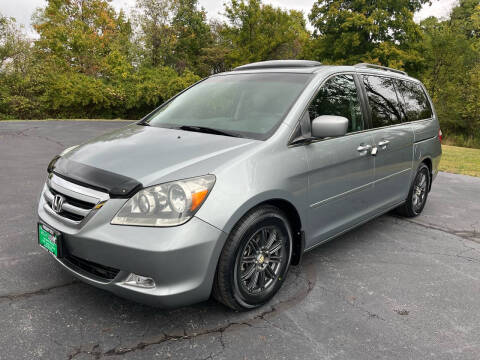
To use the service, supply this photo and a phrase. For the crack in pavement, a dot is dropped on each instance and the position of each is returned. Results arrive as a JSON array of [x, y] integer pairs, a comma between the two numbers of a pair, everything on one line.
[[94, 351], [24, 133], [16, 132], [211, 356], [468, 235], [357, 306], [42, 291], [164, 337], [310, 279], [168, 337], [274, 310], [473, 236], [307, 273]]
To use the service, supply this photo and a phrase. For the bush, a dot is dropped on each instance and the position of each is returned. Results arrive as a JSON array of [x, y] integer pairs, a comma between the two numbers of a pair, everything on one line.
[[470, 141]]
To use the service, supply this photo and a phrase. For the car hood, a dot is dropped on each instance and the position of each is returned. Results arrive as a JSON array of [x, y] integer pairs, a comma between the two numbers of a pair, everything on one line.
[[151, 154]]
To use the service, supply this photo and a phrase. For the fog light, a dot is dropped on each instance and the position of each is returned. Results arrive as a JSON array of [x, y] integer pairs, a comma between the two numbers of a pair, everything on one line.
[[140, 281]]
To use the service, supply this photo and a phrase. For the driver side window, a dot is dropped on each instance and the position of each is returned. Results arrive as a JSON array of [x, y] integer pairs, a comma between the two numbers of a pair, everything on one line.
[[338, 96]]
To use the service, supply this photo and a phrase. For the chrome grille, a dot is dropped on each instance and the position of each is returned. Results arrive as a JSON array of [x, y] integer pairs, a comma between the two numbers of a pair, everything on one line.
[[74, 202]]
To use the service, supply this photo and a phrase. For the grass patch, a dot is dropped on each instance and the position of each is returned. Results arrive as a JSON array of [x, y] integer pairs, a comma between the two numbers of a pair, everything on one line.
[[460, 160]]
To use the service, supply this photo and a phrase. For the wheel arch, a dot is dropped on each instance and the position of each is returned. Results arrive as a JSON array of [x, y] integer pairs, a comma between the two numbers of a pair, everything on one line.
[[428, 161], [298, 236], [293, 214]]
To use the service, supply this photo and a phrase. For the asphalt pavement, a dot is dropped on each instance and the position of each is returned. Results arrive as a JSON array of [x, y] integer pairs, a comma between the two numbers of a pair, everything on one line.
[[390, 289]]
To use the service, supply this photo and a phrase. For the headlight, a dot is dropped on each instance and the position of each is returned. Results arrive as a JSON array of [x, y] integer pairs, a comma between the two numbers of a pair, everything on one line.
[[168, 204]]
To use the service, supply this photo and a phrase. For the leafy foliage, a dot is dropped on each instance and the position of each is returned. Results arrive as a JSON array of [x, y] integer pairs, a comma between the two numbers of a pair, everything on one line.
[[155, 34], [451, 69], [84, 64], [258, 32], [92, 61], [352, 31]]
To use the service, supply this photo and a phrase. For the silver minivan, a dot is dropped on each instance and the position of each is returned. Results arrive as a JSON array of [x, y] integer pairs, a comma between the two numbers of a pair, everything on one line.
[[223, 187]]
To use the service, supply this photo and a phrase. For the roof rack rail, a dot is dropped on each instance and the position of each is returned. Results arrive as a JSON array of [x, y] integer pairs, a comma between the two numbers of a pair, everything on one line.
[[278, 64], [379, 67]]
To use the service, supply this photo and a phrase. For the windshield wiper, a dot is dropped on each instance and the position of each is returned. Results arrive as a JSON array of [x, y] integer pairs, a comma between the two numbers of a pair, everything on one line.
[[207, 130]]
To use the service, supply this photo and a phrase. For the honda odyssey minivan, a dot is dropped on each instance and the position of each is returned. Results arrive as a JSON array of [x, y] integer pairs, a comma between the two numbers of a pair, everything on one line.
[[223, 187]]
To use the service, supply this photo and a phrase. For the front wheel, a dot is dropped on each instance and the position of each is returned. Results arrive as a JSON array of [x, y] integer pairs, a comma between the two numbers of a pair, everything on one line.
[[417, 196], [254, 260]]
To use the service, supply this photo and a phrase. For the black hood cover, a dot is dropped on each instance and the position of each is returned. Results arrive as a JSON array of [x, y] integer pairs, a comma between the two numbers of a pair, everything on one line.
[[118, 186]]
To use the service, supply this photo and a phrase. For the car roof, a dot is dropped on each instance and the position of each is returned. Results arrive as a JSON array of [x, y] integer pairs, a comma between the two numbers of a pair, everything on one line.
[[312, 67]]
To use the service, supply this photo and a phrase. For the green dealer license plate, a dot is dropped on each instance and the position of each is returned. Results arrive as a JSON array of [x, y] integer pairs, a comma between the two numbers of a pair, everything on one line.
[[50, 239]]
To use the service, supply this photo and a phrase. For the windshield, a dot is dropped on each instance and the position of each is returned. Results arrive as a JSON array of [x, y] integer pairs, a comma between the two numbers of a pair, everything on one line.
[[246, 105]]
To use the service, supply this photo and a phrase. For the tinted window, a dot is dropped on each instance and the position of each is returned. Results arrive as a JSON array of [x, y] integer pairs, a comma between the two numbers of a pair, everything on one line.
[[338, 96], [416, 103], [248, 105], [383, 101]]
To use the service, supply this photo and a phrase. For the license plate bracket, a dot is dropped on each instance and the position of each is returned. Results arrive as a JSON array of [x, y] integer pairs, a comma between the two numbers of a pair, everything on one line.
[[50, 240]]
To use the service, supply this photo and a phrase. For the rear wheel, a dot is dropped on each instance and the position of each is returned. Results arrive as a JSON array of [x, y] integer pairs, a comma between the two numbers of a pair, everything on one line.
[[417, 196], [254, 260]]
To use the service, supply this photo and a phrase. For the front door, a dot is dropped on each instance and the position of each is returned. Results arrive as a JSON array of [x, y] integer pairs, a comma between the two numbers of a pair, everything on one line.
[[341, 170]]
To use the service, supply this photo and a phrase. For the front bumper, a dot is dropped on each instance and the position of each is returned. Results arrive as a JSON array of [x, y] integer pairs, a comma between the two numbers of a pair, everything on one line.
[[182, 259]]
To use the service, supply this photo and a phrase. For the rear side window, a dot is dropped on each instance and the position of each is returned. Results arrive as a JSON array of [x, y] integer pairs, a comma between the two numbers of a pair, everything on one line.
[[338, 96], [417, 106], [383, 101]]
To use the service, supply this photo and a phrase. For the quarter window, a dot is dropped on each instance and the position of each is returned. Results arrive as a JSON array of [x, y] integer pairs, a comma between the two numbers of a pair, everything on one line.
[[338, 96], [417, 106], [383, 101]]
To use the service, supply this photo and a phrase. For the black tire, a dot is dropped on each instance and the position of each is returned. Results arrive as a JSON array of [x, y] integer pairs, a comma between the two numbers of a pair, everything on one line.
[[245, 255], [418, 194]]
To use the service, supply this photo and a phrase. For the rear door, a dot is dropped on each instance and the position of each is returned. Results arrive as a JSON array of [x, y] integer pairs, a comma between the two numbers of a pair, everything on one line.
[[393, 138], [340, 172]]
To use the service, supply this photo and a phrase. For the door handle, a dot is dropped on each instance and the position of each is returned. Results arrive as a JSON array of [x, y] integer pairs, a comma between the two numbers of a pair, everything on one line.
[[383, 143], [363, 148]]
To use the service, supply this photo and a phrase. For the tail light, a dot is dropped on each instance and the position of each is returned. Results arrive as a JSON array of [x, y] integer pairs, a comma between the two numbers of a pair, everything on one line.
[[440, 135]]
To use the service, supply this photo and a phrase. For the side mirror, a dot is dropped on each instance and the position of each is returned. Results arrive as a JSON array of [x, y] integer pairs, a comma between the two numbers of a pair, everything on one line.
[[329, 126]]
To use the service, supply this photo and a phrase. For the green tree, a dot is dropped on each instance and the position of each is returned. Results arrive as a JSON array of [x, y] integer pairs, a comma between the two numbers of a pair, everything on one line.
[[213, 57], [259, 32], [79, 34], [20, 84], [352, 31], [84, 48], [12, 40], [192, 34], [451, 69], [156, 34], [464, 17]]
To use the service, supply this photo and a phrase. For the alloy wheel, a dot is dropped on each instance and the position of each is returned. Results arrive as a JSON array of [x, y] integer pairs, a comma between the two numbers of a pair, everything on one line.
[[419, 191], [261, 260]]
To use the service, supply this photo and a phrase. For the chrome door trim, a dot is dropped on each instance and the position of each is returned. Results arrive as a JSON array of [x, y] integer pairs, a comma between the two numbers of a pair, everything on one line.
[[360, 188], [346, 193], [392, 175]]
